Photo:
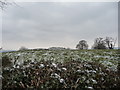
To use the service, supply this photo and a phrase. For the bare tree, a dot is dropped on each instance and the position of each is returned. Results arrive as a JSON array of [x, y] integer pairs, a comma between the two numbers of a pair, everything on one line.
[[3, 4], [82, 45], [99, 43], [110, 42]]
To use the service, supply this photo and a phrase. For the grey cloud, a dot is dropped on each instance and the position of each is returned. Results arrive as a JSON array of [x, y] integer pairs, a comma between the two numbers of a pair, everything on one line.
[[62, 24]]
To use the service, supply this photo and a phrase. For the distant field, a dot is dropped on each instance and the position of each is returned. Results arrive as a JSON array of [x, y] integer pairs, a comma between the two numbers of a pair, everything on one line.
[[90, 68]]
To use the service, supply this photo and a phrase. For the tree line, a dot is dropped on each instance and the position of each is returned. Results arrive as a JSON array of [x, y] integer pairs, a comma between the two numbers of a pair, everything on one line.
[[99, 43]]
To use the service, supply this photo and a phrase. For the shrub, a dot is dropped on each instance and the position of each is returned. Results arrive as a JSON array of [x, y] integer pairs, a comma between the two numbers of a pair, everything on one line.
[[70, 74], [6, 61]]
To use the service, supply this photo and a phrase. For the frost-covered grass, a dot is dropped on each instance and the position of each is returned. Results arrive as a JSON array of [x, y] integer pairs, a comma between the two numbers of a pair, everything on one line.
[[108, 58], [90, 69]]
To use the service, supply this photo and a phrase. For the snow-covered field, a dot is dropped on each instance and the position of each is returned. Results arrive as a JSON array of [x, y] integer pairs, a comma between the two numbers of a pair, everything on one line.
[[108, 58], [58, 60]]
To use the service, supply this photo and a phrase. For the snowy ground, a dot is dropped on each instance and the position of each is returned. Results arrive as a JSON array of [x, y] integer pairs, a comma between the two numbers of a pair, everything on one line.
[[108, 58], [90, 69]]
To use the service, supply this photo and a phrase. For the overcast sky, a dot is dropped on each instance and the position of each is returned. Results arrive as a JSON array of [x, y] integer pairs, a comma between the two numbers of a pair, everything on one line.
[[57, 24]]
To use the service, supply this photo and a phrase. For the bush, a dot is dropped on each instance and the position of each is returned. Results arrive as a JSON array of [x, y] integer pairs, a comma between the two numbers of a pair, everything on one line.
[[23, 48], [70, 74], [6, 61]]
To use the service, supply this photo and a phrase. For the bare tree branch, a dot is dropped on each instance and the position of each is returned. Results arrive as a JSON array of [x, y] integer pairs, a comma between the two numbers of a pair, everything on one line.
[[3, 4]]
